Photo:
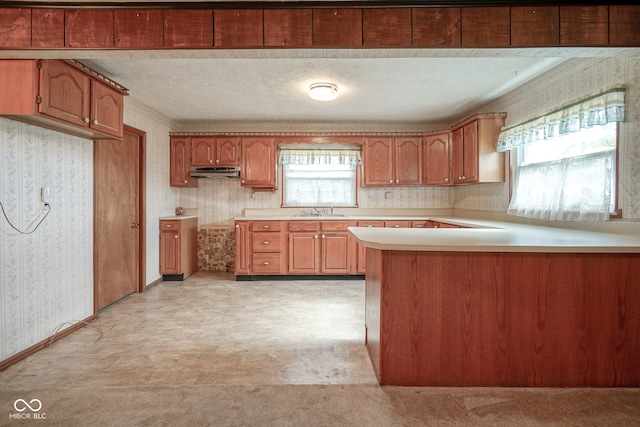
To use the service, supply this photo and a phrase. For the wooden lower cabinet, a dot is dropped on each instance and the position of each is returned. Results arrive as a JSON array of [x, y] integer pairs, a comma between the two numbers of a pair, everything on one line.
[[178, 248]]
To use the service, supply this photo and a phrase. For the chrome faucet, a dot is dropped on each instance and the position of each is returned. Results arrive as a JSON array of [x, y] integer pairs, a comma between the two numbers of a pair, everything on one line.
[[317, 210]]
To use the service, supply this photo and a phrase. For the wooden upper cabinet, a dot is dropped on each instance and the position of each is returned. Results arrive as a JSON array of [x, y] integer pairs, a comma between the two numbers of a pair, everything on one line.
[[535, 26], [486, 26], [212, 151], [438, 26], [180, 162], [89, 28], [392, 161], [584, 25], [473, 151], [288, 27], [337, 27], [377, 162], [238, 28], [138, 28], [258, 165], [386, 27], [59, 95], [407, 160], [437, 159], [65, 93]]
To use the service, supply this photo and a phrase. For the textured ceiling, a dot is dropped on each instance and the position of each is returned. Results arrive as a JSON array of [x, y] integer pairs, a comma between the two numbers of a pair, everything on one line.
[[271, 85]]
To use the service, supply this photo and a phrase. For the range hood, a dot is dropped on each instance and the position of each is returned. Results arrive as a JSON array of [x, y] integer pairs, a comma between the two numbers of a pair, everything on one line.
[[215, 172]]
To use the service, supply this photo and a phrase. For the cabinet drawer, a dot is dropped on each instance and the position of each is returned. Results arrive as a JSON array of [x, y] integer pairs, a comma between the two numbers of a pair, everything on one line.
[[265, 225], [336, 225], [266, 263], [370, 223], [170, 225], [266, 242], [304, 226], [421, 224], [397, 224]]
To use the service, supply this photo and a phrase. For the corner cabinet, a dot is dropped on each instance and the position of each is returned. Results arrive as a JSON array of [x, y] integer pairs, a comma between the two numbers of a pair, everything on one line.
[[178, 248], [180, 162], [392, 161], [64, 96], [474, 158], [258, 164]]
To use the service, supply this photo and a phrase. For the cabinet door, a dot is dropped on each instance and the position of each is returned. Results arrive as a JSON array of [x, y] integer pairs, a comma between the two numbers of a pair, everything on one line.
[[304, 253], [361, 250], [437, 160], [377, 162], [65, 93], [179, 163], [407, 161], [227, 151], [170, 252], [242, 248], [336, 256], [470, 162], [203, 150], [106, 109], [258, 168], [457, 155]]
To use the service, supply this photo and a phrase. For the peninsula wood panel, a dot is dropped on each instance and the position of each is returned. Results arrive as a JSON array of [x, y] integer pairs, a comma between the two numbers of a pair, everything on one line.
[[288, 27], [624, 24], [436, 26], [486, 26], [504, 319], [89, 28], [584, 25], [535, 26], [47, 28], [337, 27], [188, 28], [238, 28], [138, 28], [15, 27], [387, 27]]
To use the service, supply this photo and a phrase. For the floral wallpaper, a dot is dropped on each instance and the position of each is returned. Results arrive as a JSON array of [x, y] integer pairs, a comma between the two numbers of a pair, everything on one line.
[[46, 277]]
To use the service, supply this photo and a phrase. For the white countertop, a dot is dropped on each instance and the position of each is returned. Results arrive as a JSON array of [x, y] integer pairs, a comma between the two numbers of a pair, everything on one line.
[[177, 217], [501, 237]]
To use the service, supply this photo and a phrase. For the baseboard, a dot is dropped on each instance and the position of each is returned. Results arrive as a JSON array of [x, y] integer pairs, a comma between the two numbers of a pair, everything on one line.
[[245, 278], [44, 343], [154, 283]]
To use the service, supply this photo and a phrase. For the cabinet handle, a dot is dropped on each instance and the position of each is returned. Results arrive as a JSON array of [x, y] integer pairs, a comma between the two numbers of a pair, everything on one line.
[[95, 121], [266, 226], [315, 237], [446, 180], [175, 237], [237, 226], [217, 161], [397, 181], [369, 225], [464, 177], [323, 236], [185, 181], [210, 160], [390, 181], [86, 120], [168, 225], [265, 263], [396, 226], [265, 243]]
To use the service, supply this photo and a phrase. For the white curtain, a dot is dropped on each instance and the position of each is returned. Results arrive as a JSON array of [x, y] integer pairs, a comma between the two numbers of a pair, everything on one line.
[[573, 189]]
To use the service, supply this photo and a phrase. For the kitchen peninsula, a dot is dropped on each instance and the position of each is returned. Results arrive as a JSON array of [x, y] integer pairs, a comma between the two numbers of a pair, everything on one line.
[[504, 306]]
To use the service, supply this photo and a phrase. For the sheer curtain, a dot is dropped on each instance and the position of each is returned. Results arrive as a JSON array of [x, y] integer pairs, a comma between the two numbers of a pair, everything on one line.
[[576, 188], [320, 175], [573, 189]]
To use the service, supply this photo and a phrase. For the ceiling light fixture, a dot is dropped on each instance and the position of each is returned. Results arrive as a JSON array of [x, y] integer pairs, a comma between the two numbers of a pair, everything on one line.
[[323, 91]]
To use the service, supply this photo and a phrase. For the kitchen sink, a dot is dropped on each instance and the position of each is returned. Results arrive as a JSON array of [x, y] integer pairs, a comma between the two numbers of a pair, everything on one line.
[[315, 215]]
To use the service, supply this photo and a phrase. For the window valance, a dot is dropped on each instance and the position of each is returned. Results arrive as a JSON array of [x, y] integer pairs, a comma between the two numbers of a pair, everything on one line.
[[325, 154], [598, 109]]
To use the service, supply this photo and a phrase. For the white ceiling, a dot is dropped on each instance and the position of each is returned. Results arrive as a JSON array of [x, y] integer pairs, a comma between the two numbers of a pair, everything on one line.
[[271, 85]]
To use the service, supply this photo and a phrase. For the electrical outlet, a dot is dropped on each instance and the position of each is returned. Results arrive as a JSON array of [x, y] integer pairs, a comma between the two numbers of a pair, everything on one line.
[[46, 196], [388, 195]]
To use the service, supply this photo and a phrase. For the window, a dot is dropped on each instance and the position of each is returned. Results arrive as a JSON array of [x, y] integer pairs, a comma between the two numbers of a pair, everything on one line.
[[319, 176], [570, 177], [565, 160]]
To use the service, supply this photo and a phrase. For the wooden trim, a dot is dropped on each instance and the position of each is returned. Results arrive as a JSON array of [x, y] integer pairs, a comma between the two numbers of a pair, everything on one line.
[[45, 343], [154, 283]]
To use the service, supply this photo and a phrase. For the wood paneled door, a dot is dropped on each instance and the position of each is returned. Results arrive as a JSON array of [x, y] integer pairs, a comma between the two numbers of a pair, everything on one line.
[[118, 217]]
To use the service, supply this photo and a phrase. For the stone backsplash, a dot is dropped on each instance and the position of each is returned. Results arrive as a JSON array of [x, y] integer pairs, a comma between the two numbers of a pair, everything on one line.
[[216, 248]]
